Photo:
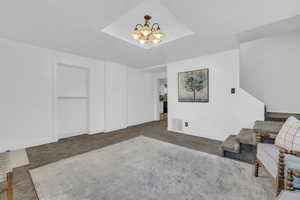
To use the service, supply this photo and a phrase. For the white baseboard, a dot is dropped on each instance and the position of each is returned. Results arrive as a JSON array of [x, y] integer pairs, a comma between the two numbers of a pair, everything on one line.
[[176, 131], [140, 123], [95, 132], [111, 130], [71, 134], [192, 134]]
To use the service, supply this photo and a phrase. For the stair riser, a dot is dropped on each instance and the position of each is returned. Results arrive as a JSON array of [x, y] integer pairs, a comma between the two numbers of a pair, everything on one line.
[[247, 154]]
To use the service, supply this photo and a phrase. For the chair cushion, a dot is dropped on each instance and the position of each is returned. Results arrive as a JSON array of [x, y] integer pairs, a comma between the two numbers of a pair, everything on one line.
[[289, 135], [268, 154]]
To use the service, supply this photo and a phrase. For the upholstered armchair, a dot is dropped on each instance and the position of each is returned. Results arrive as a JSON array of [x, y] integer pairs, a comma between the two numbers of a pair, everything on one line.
[[281, 164]]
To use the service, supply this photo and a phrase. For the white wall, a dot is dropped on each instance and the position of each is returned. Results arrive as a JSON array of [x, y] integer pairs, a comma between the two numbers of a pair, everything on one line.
[[225, 113], [270, 70], [140, 97], [115, 96], [128, 96], [97, 101], [27, 77], [26, 95]]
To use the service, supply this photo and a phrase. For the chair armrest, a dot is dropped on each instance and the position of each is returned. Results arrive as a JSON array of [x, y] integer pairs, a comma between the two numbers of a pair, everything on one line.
[[292, 153], [271, 135], [258, 138], [295, 153], [292, 163], [261, 136], [289, 179], [296, 173]]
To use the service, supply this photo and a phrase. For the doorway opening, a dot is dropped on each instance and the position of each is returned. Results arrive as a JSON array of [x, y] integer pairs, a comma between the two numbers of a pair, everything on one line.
[[163, 99]]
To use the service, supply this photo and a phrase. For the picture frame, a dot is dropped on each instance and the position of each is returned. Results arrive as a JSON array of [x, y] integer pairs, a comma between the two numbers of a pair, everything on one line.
[[193, 86]]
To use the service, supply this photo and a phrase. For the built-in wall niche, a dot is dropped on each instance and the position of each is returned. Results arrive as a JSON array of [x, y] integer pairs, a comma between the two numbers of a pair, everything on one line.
[[72, 100]]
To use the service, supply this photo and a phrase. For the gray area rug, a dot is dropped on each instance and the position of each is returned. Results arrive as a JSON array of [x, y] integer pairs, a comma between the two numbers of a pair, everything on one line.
[[147, 169]]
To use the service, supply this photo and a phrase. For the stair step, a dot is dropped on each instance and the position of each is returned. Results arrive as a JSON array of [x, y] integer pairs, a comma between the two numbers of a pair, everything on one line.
[[276, 116], [231, 144], [267, 127], [246, 136]]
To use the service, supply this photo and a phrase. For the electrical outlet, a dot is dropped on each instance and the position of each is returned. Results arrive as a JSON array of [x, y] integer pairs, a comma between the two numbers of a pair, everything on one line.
[[186, 124], [232, 90]]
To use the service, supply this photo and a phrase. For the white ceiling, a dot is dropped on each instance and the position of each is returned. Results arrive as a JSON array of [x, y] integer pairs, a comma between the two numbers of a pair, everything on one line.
[[75, 26], [169, 25], [156, 69], [280, 27]]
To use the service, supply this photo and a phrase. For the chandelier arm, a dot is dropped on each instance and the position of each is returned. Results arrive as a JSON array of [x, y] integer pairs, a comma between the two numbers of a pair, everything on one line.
[[153, 27], [138, 25]]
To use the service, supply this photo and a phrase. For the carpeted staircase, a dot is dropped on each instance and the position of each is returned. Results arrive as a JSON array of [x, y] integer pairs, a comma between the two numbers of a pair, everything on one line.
[[243, 145]]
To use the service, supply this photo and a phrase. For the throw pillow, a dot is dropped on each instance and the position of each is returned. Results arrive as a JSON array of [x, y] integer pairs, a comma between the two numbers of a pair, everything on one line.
[[289, 135]]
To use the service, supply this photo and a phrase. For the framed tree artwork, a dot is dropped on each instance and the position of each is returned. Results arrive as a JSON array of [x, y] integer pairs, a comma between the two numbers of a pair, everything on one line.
[[193, 86]]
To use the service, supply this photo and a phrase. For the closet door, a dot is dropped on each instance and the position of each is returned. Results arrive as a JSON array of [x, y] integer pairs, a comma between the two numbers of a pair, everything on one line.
[[72, 100]]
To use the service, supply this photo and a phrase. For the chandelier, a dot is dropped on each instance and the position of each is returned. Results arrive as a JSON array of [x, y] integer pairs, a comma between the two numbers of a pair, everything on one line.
[[144, 34]]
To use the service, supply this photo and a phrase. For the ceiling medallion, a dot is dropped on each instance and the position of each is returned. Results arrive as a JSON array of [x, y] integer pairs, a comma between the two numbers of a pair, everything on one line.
[[144, 34]]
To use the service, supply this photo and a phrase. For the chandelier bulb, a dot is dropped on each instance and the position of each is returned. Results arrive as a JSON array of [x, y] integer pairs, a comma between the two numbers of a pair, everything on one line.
[[142, 41], [156, 40]]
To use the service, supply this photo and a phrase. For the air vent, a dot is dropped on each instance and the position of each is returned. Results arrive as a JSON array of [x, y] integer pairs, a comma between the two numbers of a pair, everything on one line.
[[177, 124]]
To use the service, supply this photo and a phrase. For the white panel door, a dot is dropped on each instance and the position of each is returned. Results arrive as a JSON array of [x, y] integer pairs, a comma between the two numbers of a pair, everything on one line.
[[72, 103]]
